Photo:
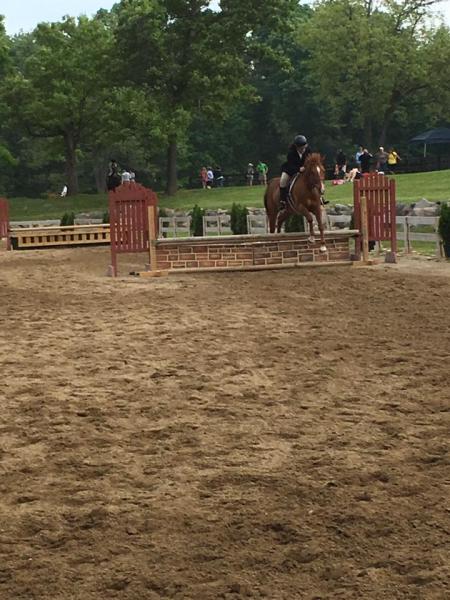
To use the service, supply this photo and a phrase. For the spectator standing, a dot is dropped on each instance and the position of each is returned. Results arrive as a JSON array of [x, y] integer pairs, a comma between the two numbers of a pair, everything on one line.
[[381, 157], [126, 176], [262, 170], [113, 178], [132, 176], [209, 178], [204, 177], [364, 161], [393, 159], [341, 164], [64, 191], [358, 156], [250, 173]]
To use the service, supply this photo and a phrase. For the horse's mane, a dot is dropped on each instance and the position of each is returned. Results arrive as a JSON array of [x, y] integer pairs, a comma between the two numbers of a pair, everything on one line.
[[312, 162]]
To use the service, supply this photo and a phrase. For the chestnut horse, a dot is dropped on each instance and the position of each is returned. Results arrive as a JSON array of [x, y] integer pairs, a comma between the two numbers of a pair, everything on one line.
[[305, 199]]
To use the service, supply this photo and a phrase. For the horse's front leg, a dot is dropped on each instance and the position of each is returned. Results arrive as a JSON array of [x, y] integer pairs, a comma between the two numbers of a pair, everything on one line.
[[311, 238], [318, 215]]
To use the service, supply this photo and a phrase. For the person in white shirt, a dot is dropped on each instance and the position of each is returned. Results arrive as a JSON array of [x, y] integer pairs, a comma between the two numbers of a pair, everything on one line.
[[64, 192], [126, 177], [209, 178]]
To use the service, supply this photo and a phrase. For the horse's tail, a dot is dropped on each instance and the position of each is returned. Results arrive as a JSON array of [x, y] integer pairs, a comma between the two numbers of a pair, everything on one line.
[[271, 203], [266, 197]]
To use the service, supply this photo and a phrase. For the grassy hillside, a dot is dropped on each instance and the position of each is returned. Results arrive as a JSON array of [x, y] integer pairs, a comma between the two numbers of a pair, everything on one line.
[[410, 188]]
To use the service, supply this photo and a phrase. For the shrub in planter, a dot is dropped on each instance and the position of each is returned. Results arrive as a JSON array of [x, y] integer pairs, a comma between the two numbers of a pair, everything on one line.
[[294, 223], [197, 221], [105, 217], [67, 219], [444, 228], [238, 219]]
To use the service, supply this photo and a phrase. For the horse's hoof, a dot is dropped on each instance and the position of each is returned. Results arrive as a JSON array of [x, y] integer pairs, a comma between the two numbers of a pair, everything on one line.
[[311, 240], [323, 248]]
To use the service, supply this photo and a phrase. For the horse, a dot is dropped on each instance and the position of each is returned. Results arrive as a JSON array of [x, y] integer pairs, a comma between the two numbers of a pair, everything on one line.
[[305, 198]]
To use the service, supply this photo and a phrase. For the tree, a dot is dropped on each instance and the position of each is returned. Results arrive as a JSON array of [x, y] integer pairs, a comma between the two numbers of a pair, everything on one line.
[[6, 158], [59, 87], [188, 58], [372, 60]]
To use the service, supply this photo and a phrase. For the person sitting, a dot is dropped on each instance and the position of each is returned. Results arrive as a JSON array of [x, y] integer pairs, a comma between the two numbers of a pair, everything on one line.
[[295, 161], [351, 175]]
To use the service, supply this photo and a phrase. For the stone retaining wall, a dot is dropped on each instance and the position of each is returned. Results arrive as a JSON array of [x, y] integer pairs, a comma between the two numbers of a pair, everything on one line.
[[252, 250]]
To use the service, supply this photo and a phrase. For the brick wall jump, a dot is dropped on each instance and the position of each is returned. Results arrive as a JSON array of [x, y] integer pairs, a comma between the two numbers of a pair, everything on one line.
[[251, 250]]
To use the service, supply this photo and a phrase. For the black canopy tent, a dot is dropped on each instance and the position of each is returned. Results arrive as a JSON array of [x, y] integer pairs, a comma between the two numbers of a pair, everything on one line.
[[440, 135]]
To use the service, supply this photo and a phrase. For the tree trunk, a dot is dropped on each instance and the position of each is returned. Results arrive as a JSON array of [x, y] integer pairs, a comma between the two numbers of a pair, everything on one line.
[[172, 181], [71, 164], [388, 118], [100, 176], [367, 134]]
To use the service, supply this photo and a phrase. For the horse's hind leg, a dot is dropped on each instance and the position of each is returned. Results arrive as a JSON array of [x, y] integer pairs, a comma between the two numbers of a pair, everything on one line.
[[281, 218], [303, 211], [272, 221], [310, 220]]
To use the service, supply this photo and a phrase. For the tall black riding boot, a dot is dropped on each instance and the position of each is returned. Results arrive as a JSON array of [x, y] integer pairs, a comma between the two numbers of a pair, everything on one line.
[[283, 198]]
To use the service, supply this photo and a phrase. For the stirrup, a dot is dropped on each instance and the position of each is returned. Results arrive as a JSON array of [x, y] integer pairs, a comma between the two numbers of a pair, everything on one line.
[[323, 201]]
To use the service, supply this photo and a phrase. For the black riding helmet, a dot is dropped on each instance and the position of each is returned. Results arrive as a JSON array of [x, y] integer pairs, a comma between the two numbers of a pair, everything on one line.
[[300, 140]]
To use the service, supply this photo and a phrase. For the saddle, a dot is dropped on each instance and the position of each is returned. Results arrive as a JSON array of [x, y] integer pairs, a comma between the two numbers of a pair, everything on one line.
[[289, 202]]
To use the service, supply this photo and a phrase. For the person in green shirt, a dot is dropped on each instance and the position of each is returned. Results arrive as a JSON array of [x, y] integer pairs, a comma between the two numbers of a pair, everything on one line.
[[262, 170]]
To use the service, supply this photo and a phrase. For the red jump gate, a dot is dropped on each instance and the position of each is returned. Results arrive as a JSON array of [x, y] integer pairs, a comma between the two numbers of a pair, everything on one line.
[[379, 192], [131, 206]]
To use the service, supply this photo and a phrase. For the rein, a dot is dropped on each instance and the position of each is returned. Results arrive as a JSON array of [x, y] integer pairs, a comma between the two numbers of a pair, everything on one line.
[[315, 185]]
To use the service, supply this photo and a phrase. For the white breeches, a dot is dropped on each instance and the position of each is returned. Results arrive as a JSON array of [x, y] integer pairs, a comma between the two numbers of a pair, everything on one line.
[[284, 180]]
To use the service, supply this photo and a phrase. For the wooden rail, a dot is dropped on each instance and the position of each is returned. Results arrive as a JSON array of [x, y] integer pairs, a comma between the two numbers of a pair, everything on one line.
[[70, 235]]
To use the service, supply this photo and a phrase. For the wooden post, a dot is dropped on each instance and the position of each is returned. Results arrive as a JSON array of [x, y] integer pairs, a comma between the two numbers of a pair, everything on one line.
[[152, 238], [364, 228], [408, 238]]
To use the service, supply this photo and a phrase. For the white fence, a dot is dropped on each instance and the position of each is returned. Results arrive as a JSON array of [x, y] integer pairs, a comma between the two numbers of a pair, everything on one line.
[[174, 226], [217, 224], [257, 224], [407, 233]]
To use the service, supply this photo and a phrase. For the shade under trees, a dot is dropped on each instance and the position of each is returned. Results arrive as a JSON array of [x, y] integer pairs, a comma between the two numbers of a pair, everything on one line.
[[168, 85]]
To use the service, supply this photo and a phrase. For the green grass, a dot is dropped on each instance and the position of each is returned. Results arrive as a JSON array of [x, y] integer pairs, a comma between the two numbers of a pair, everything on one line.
[[410, 188], [29, 209]]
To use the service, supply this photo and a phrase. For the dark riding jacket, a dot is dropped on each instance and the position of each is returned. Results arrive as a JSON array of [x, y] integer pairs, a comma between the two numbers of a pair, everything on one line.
[[295, 160]]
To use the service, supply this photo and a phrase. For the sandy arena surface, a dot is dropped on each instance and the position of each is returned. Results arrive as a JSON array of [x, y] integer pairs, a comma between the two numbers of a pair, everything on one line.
[[280, 435]]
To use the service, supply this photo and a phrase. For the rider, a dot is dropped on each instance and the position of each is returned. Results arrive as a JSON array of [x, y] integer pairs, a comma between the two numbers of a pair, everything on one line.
[[297, 154]]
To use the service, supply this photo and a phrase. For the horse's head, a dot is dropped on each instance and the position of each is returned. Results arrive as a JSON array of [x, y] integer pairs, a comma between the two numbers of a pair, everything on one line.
[[314, 169]]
